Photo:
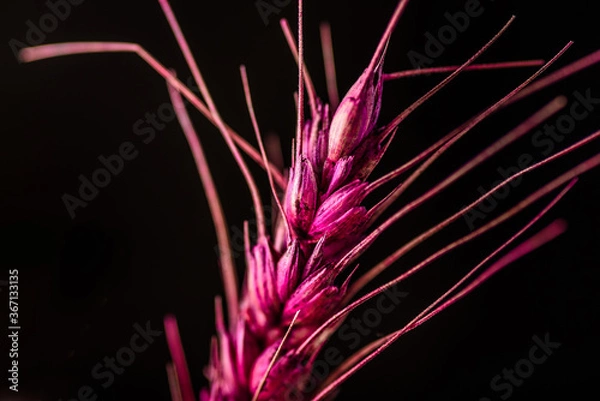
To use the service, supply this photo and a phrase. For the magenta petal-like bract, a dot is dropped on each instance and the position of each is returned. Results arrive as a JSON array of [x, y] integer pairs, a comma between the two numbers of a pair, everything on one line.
[[357, 114]]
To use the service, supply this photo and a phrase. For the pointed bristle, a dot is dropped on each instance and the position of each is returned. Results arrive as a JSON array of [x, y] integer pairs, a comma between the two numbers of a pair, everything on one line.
[[274, 359], [261, 146], [329, 62], [64, 49], [385, 38], [452, 68], [300, 116]]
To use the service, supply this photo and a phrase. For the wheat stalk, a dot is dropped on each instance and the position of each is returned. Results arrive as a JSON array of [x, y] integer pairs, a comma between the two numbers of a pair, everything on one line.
[[299, 283]]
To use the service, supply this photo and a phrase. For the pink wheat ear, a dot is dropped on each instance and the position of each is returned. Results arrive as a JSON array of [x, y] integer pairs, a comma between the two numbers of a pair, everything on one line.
[[290, 300]]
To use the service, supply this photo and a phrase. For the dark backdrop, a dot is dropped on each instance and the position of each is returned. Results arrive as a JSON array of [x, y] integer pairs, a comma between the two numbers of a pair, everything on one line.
[[145, 246]]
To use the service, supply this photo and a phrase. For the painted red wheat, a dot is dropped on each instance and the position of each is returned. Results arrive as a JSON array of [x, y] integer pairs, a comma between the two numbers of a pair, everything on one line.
[[299, 284]]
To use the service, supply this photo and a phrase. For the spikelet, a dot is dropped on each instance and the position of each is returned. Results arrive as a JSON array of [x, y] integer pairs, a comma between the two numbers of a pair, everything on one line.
[[299, 284]]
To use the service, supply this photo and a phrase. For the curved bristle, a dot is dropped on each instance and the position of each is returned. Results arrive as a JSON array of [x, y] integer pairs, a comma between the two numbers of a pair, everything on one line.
[[258, 205], [228, 269], [261, 146], [37, 53]]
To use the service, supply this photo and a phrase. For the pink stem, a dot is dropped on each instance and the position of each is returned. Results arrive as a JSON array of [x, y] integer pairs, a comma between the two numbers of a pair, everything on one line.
[[300, 121], [310, 87]]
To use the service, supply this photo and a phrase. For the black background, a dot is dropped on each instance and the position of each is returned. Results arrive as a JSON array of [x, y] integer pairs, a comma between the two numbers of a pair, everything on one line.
[[145, 246]]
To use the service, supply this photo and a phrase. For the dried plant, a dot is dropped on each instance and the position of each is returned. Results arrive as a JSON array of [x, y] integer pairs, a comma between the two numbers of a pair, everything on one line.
[[299, 284]]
